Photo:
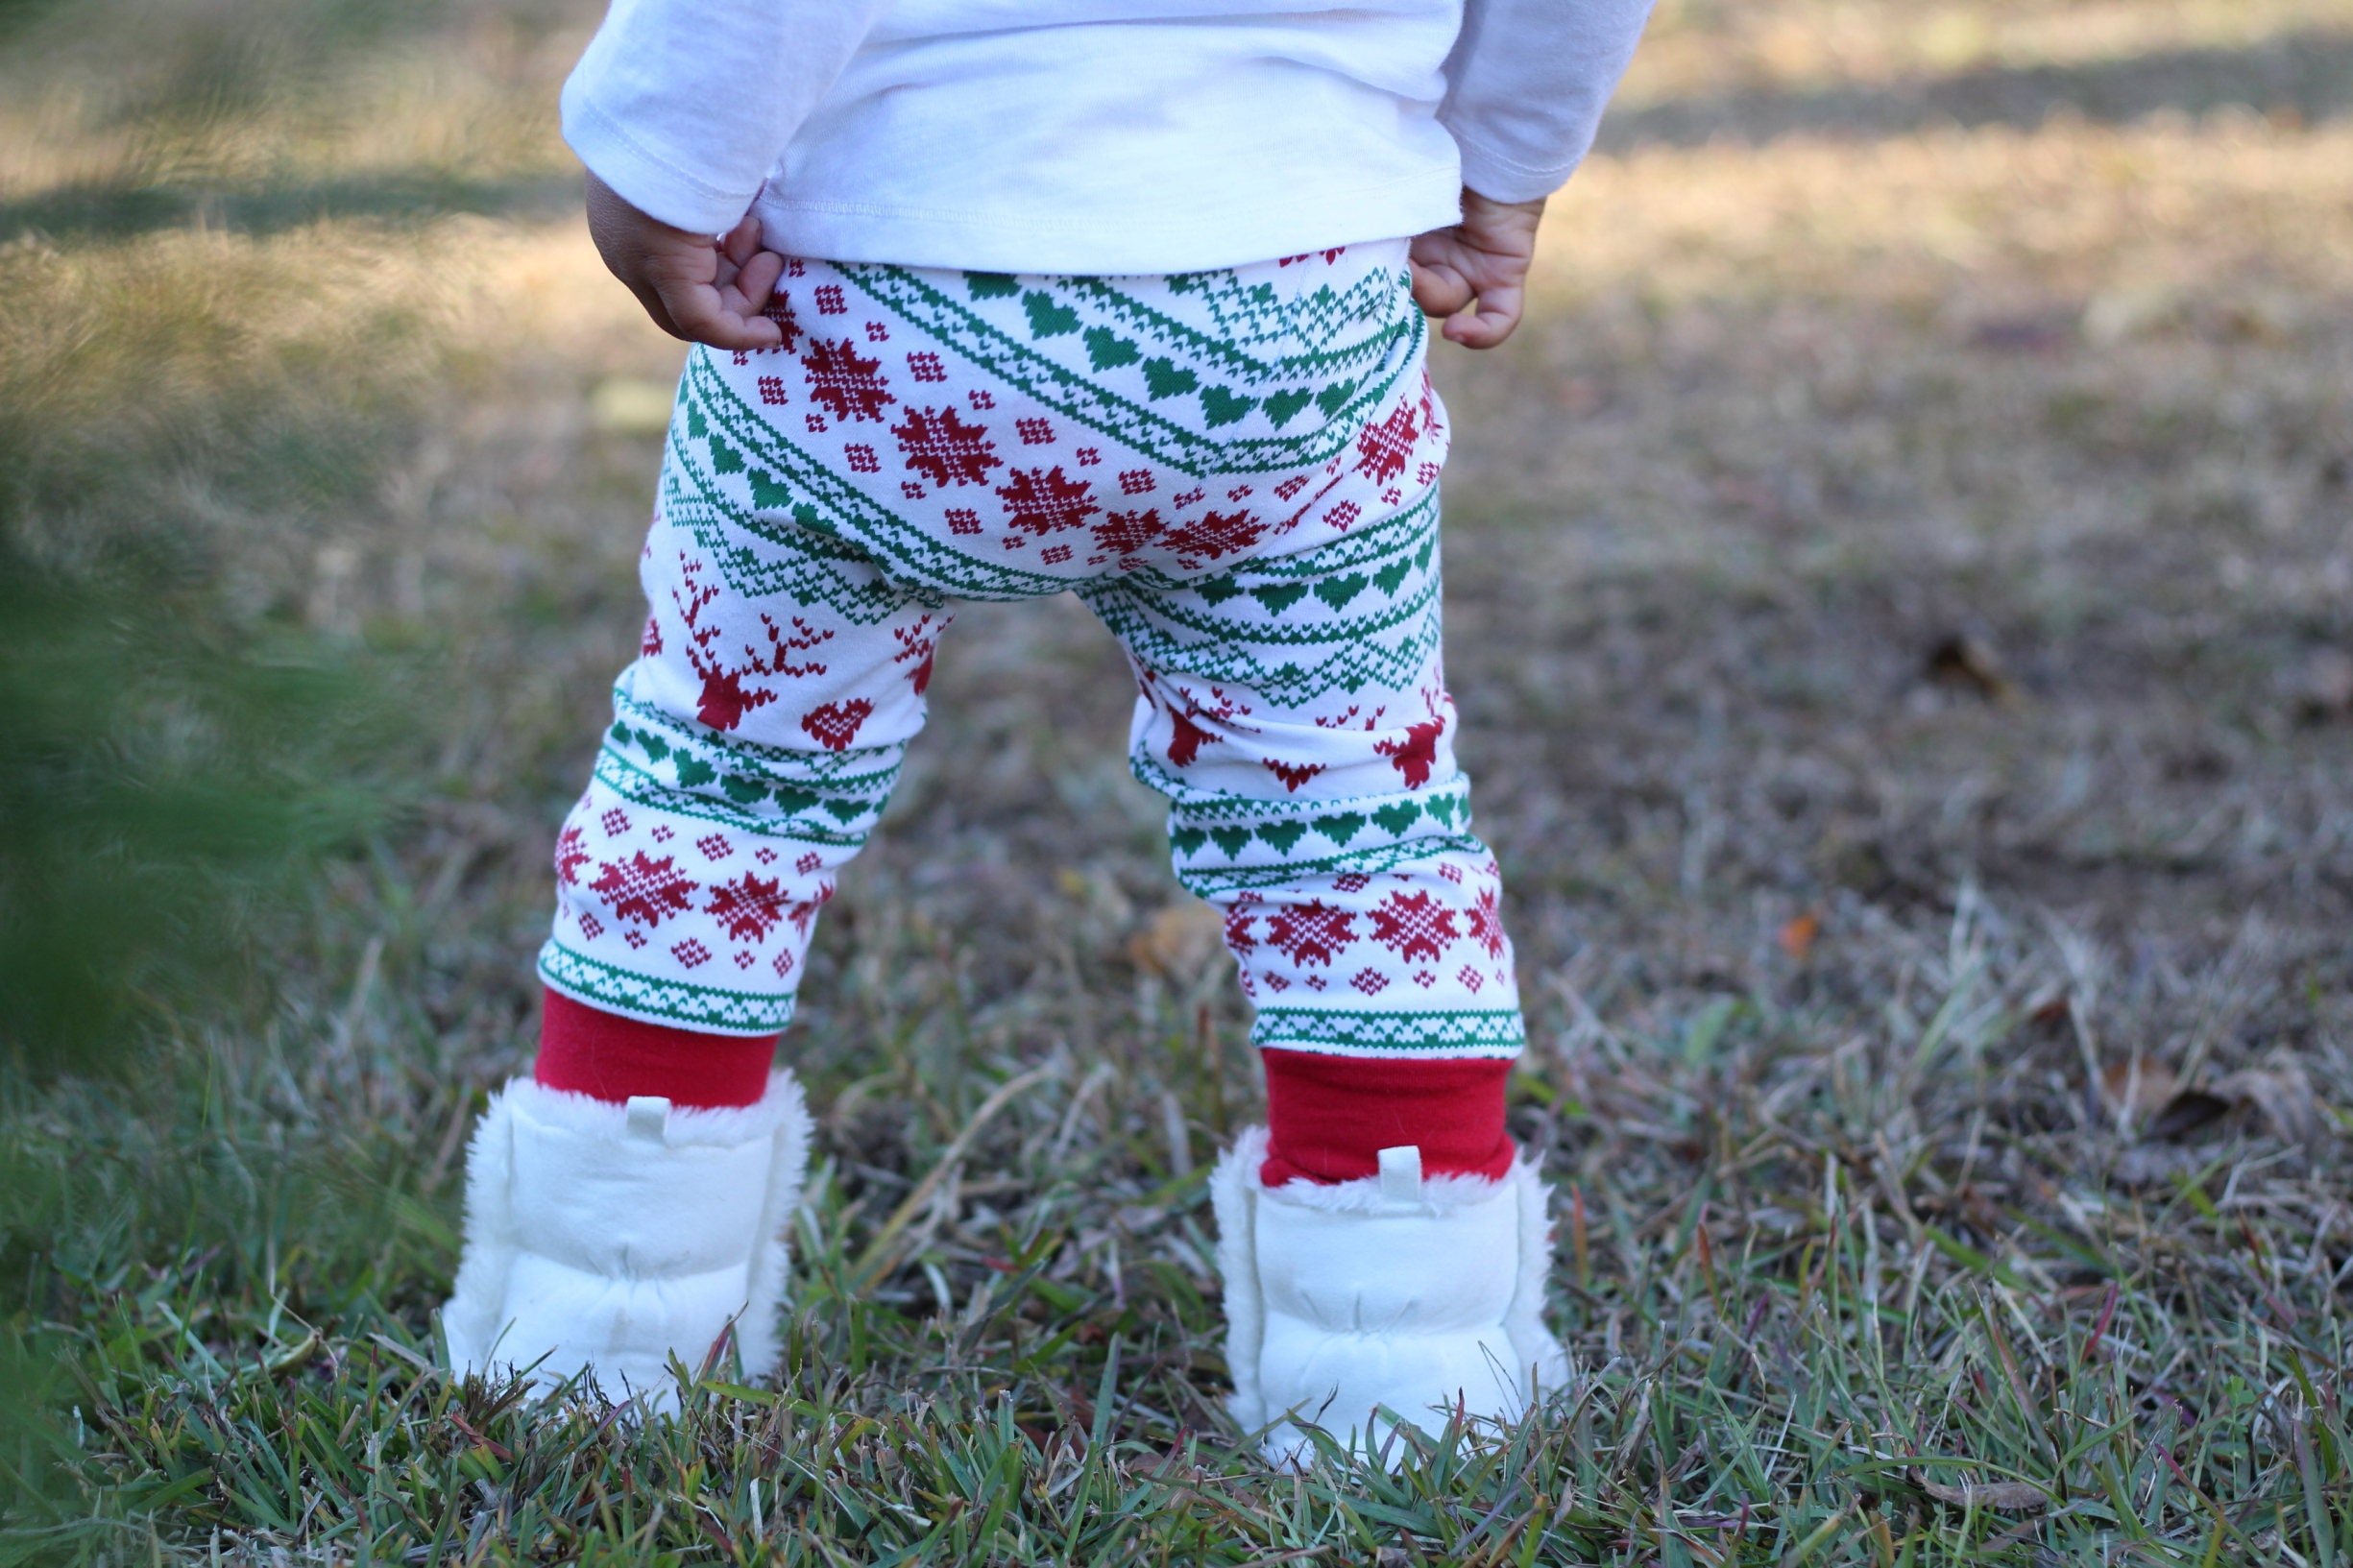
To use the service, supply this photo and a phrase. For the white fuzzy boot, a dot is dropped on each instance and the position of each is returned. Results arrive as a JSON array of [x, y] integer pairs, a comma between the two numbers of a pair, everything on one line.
[[1416, 1296], [604, 1238]]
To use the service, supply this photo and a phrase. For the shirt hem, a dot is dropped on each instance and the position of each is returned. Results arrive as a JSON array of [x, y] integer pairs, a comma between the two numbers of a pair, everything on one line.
[[1103, 243]]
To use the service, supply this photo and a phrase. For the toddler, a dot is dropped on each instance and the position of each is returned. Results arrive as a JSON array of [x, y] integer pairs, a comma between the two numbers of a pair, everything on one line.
[[1123, 297]]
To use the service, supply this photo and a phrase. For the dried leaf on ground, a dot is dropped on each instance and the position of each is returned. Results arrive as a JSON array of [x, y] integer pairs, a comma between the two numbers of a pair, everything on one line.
[[1797, 934], [1178, 942], [2139, 1087], [1968, 662], [2281, 1091], [2002, 1496]]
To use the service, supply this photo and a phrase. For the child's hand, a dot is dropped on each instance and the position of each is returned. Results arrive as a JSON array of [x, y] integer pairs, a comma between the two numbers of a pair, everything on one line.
[[1484, 259], [695, 287]]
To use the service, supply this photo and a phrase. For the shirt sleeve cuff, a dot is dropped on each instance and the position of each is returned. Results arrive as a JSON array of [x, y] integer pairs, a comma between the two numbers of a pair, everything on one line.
[[1500, 179], [657, 186]]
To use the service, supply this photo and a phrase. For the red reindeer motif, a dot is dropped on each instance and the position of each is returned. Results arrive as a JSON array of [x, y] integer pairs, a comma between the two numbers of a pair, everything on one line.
[[725, 698], [1417, 753], [1185, 710]]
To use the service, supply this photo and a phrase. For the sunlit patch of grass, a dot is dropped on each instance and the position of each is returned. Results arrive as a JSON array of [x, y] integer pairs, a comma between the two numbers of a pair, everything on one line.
[[2226, 208], [1704, 46], [278, 93]]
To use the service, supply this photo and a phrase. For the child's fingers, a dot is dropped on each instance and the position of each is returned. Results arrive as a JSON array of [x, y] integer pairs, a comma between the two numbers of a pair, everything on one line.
[[1439, 289], [1498, 313], [707, 314], [742, 243], [758, 278]]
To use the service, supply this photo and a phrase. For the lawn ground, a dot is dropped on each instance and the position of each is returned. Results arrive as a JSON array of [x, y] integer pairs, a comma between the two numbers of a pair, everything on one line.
[[1898, 589]]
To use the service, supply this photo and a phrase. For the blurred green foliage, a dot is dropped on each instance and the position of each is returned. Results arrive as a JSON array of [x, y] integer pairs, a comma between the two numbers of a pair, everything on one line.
[[162, 774]]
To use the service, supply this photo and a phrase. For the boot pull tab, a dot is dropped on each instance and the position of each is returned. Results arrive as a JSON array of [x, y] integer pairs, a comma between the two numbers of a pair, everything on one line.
[[648, 1119], [1401, 1173]]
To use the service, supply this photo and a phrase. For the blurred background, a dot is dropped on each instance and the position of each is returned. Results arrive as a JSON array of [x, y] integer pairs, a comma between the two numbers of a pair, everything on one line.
[[1898, 584]]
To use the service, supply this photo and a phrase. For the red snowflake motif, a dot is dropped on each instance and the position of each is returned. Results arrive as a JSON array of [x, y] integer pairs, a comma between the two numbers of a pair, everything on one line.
[[780, 311], [645, 890], [1417, 753], [748, 906], [1414, 926], [1123, 533], [1381, 450], [1217, 534], [1047, 502], [649, 640], [1311, 933], [804, 911], [1486, 923], [848, 384], [835, 725], [569, 856], [1292, 774], [944, 449], [1238, 938]]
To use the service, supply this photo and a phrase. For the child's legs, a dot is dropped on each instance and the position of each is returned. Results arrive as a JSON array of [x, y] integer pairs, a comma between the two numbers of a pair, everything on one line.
[[753, 742], [1295, 712]]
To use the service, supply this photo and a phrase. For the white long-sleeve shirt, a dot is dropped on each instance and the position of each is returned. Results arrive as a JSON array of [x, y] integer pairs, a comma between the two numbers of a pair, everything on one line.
[[1100, 136]]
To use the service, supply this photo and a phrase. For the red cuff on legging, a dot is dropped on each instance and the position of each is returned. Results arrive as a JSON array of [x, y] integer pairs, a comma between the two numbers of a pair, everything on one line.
[[611, 1058], [1329, 1117]]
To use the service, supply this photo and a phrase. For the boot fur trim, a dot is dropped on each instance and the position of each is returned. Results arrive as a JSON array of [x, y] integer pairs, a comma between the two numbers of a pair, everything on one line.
[[1340, 1298], [602, 1238]]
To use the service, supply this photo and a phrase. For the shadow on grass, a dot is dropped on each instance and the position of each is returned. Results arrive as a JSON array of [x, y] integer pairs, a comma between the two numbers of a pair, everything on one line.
[[2308, 74], [106, 211]]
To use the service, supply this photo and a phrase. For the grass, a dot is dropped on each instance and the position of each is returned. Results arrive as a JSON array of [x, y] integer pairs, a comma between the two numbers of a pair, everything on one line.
[[1896, 583]]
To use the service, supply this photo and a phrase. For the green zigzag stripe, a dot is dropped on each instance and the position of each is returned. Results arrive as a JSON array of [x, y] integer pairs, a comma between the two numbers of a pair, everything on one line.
[[636, 785], [1204, 882], [1077, 397], [1349, 667], [1496, 1032], [1379, 301], [859, 770], [1447, 803], [1447, 809], [1319, 631], [668, 1002]]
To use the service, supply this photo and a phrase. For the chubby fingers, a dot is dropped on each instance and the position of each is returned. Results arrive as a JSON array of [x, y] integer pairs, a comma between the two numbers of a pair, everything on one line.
[[711, 300], [1497, 315], [1440, 288]]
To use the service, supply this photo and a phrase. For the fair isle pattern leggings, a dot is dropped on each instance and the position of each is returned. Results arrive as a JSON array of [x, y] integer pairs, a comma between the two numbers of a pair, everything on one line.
[[1236, 470]]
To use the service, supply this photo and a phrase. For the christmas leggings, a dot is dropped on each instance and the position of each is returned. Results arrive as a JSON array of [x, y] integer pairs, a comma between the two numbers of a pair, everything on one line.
[[1238, 471]]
